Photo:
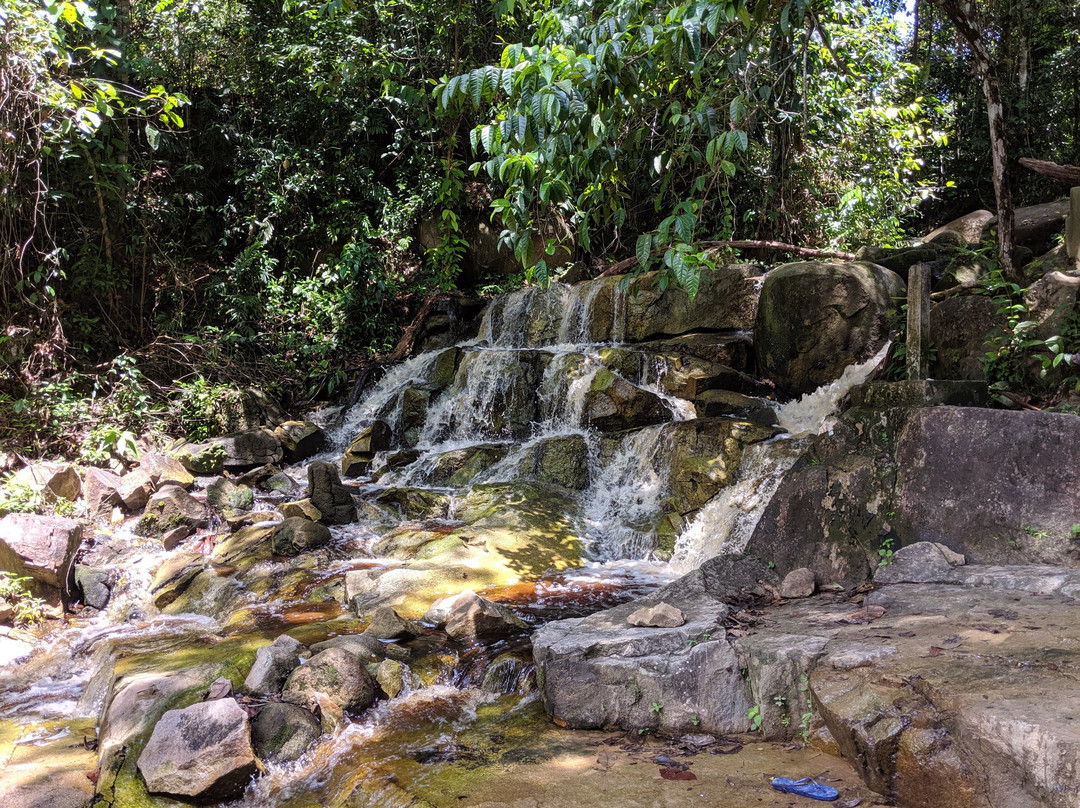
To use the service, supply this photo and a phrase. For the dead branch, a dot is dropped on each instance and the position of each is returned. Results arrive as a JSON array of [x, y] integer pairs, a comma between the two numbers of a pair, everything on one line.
[[1067, 174]]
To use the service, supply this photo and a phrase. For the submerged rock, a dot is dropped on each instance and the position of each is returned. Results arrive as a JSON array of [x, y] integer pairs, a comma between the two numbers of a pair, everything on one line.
[[202, 752], [282, 732], [799, 583], [95, 583]]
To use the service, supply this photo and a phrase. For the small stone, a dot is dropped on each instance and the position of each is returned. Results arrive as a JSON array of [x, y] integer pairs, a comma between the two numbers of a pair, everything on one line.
[[798, 584], [297, 534], [220, 688], [390, 674], [135, 489], [301, 508], [172, 539], [281, 482], [918, 563], [282, 732], [954, 558], [168, 508], [202, 752], [662, 615], [273, 663]]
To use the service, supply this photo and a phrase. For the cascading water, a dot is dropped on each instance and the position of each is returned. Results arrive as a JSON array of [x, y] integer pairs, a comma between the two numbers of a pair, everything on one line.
[[493, 438]]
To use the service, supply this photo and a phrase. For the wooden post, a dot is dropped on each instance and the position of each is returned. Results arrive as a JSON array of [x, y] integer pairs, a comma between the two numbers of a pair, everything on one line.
[[918, 322], [1072, 226]]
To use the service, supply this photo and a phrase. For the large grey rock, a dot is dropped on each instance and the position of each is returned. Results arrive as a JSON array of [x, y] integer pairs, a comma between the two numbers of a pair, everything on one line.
[[776, 664], [169, 508], [42, 548], [814, 319], [202, 752], [474, 616], [598, 672], [297, 534], [329, 495], [281, 732], [273, 664], [337, 674]]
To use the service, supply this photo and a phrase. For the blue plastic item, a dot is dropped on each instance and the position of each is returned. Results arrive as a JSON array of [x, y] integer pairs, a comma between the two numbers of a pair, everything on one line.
[[806, 787]]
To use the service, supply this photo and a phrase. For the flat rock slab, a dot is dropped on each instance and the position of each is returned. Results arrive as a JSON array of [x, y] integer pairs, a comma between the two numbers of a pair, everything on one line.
[[958, 693]]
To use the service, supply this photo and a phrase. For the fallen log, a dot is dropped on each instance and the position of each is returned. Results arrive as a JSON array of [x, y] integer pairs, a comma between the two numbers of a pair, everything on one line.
[[1066, 174], [774, 246]]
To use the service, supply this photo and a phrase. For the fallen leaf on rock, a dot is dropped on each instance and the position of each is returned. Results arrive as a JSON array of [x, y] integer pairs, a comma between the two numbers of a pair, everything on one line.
[[677, 774], [863, 615], [92, 776]]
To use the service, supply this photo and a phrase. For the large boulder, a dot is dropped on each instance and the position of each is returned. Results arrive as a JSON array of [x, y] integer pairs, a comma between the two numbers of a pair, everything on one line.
[[41, 548], [960, 327], [329, 495], [101, 490], [969, 227], [814, 319], [726, 299], [375, 437], [202, 752], [169, 508], [299, 440], [335, 673]]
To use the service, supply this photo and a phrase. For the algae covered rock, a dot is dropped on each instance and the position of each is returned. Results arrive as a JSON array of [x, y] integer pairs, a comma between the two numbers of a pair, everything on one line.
[[202, 752], [169, 508], [228, 496], [337, 674], [815, 318], [613, 403], [297, 534], [281, 732]]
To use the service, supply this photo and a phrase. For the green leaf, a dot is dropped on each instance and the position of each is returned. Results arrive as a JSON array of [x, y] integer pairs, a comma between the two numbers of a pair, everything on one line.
[[153, 136], [728, 167], [644, 250]]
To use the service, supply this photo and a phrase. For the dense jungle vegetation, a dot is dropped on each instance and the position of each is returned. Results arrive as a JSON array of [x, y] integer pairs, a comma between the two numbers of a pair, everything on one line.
[[198, 195]]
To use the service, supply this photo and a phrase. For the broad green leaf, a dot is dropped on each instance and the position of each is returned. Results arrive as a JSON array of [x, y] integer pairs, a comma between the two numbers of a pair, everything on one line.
[[644, 250]]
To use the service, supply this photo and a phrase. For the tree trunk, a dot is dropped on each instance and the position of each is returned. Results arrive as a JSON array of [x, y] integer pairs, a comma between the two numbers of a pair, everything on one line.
[[964, 15]]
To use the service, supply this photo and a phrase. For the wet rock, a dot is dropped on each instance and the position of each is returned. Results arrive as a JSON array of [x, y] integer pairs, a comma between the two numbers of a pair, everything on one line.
[[613, 403], [95, 584], [474, 616], [799, 583], [387, 625], [41, 548], [562, 461], [661, 615], [375, 437], [297, 534], [299, 440], [200, 458], [415, 503], [439, 611], [54, 480], [510, 672], [301, 508], [202, 752], [257, 476], [282, 732], [337, 674], [226, 495], [169, 508], [280, 483], [101, 491], [175, 576], [327, 493], [390, 675], [961, 326], [459, 466], [920, 563], [244, 548], [273, 664], [814, 319], [209, 593], [717, 403], [366, 648], [175, 537]]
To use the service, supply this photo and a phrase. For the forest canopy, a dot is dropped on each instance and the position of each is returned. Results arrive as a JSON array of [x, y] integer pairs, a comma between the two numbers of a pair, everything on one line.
[[207, 191]]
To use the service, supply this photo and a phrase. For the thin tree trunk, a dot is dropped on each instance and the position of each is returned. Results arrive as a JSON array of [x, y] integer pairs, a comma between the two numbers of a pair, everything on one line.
[[964, 17]]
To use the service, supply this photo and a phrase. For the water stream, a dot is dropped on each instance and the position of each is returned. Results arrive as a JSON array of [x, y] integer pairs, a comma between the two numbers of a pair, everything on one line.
[[504, 426]]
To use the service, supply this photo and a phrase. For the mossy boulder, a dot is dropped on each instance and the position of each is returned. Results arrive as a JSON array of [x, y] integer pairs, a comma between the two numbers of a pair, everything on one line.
[[816, 318], [299, 440], [282, 732], [612, 403], [415, 503], [459, 466], [337, 674], [169, 508], [225, 495], [297, 534]]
